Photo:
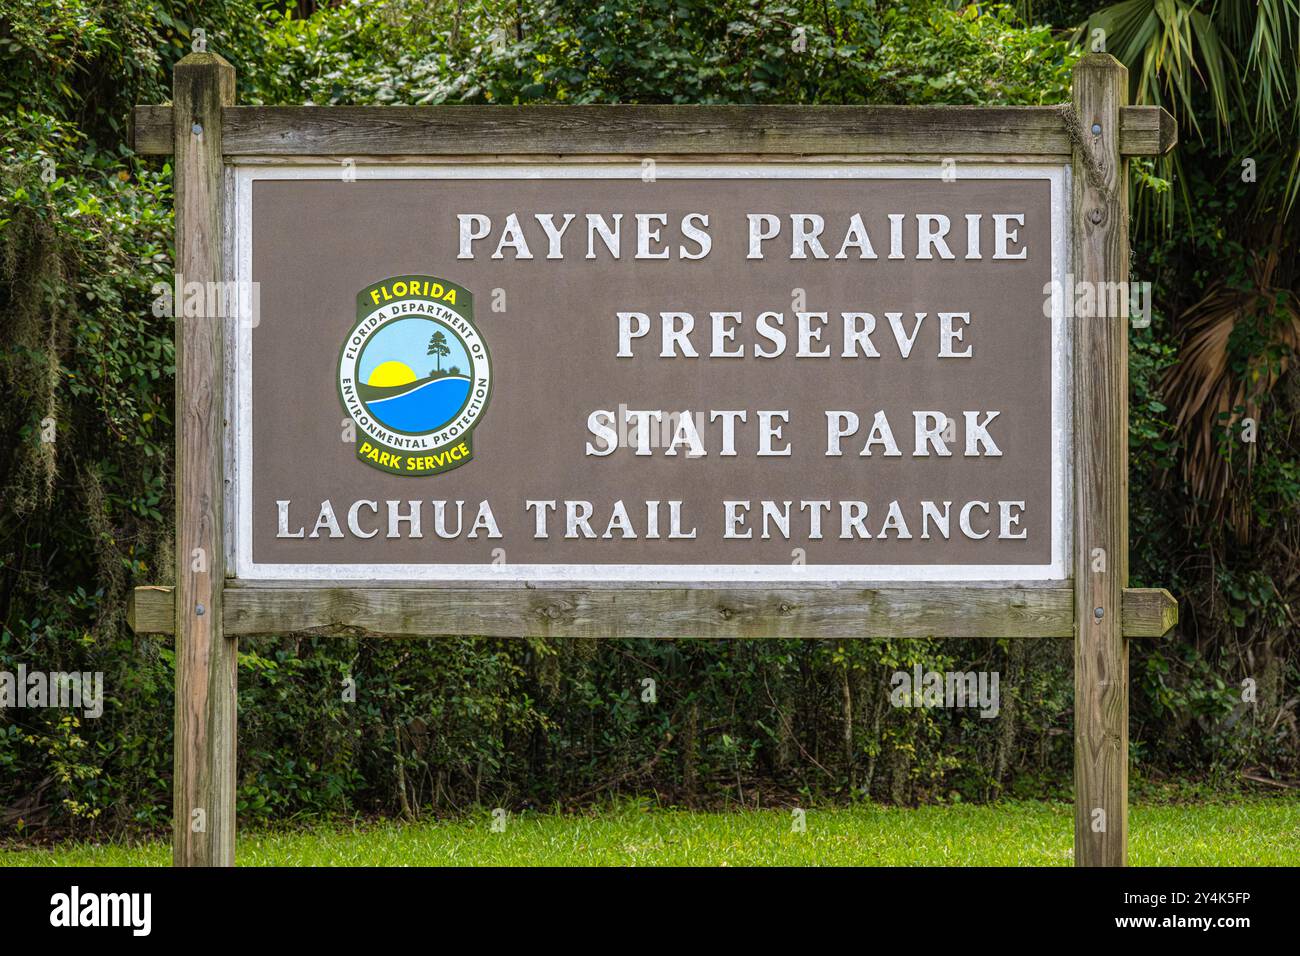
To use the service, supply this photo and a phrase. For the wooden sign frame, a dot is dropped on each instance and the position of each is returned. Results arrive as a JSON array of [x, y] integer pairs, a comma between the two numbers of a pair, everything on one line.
[[207, 611]]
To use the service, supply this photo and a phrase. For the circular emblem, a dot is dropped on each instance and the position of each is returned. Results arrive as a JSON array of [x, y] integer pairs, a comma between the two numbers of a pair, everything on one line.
[[415, 375]]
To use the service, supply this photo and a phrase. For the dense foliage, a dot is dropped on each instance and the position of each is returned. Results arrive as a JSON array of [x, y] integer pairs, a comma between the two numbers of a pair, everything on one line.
[[85, 499]]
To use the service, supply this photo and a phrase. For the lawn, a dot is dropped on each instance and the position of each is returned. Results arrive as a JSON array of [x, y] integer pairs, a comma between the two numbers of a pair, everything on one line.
[[1255, 832]]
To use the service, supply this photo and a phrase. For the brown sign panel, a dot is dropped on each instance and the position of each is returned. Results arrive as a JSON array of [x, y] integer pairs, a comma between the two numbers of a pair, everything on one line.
[[759, 373]]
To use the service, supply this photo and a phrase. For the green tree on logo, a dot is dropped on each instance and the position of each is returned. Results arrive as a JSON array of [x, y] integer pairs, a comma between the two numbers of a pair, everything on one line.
[[438, 346]]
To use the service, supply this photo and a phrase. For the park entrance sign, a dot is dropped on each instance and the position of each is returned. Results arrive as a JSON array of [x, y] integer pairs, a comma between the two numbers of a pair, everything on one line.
[[746, 372], [651, 371]]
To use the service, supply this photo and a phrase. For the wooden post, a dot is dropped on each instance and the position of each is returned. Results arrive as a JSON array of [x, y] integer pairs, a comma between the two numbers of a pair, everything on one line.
[[1100, 230], [204, 800]]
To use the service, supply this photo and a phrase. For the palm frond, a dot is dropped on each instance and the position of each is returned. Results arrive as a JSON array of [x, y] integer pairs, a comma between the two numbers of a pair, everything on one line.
[[1272, 58], [1173, 50], [1233, 63], [1211, 396]]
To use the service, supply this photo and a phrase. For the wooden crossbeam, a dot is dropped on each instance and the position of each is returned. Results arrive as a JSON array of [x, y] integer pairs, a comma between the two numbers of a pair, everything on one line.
[[1029, 132], [666, 612]]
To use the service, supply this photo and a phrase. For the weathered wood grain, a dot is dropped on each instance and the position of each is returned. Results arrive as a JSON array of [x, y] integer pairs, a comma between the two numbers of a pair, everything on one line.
[[204, 781], [354, 131], [579, 612], [1100, 231], [388, 611], [1149, 612], [151, 609], [1146, 131]]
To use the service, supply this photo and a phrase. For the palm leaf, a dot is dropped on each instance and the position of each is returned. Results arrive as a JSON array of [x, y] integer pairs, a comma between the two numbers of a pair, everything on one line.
[[1210, 398], [1244, 55]]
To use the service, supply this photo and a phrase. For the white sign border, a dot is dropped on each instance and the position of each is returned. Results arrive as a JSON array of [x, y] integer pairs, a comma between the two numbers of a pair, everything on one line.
[[239, 387]]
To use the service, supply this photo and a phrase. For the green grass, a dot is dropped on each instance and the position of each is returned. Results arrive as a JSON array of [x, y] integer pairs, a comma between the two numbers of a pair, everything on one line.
[[1242, 833]]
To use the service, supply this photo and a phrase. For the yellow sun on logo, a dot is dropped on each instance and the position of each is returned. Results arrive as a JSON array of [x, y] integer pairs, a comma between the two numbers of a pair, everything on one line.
[[388, 374]]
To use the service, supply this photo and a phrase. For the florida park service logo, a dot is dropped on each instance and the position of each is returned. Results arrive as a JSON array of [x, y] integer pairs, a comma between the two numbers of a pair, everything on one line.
[[415, 375]]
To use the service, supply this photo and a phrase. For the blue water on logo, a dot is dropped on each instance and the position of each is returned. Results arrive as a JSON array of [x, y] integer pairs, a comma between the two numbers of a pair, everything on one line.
[[423, 409]]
